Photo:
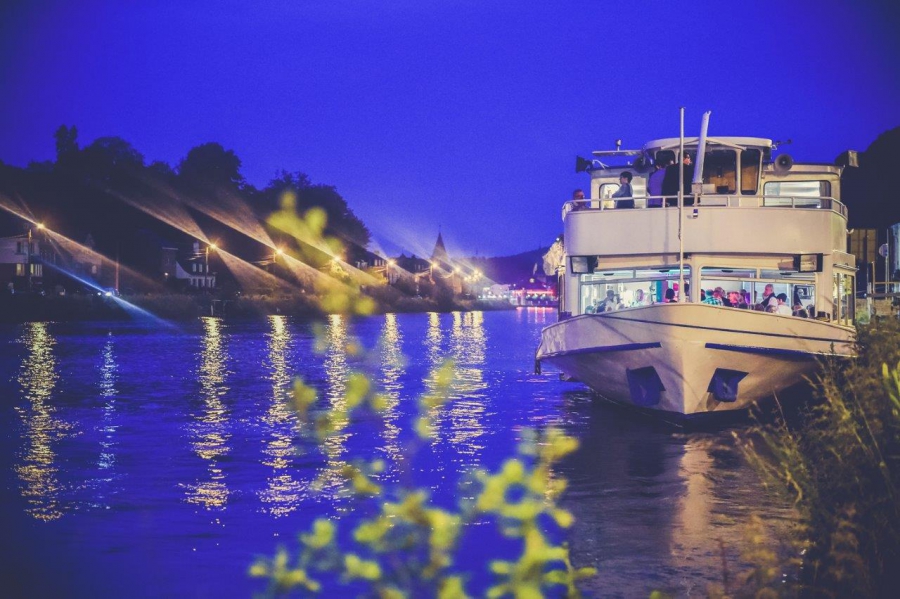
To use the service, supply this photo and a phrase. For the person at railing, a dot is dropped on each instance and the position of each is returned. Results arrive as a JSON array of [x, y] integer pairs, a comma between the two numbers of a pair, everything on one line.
[[655, 184], [578, 202], [670, 182], [624, 191], [670, 296]]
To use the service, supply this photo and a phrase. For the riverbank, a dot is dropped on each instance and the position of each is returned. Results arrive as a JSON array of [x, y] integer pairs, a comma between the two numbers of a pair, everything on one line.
[[27, 308]]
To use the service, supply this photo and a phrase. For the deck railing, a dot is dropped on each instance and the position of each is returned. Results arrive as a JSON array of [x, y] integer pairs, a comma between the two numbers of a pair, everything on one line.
[[722, 201]]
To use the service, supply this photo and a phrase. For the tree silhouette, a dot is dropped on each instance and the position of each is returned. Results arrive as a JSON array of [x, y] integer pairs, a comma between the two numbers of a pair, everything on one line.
[[870, 191], [210, 166]]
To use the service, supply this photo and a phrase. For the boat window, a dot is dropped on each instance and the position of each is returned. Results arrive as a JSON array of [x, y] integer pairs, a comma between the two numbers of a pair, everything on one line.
[[844, 306], [638, 188], [750, 165], [749, 289], [787, 274], [630, 288], [801, 193], [607, 275], [719, 169], [607, 190]]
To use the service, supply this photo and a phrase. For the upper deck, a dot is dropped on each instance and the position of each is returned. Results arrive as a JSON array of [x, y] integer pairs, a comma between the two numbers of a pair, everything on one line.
[[749, 204], [719, 224]]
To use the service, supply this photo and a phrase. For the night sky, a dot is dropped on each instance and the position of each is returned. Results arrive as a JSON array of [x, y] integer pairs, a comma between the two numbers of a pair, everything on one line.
[[463, 115]]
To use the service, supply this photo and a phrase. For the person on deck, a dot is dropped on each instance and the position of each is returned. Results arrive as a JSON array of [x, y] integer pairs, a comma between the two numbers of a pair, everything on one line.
[[670, 182], [578, 200], [624, 192], [655, 184]]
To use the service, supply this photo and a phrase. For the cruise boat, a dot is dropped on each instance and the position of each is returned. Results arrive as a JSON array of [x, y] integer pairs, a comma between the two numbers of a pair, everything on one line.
[[635, 324]]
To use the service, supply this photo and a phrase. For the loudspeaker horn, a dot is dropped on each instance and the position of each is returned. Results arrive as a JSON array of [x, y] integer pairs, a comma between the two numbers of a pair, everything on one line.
[[642, 164], [783, 164], [582, 165]]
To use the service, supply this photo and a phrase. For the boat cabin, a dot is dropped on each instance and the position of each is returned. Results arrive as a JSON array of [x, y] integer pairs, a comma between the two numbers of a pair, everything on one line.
[[756, 220]]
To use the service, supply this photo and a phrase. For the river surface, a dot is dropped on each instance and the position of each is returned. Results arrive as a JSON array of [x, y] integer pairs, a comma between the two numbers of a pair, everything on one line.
[[146, 460]]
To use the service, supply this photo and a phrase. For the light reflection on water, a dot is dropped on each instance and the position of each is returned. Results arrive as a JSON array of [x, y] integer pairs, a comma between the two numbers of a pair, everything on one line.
[[283, 492], [654, 508], [467, 406], [108, 379], [37, 468], [392, 365], [209, 431], [330, 481]]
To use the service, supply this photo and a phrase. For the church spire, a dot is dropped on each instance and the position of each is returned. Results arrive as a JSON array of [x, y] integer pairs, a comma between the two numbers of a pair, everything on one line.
[[439, 254]]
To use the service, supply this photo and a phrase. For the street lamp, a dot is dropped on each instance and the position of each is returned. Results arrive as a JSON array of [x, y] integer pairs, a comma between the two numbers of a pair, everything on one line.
[[40, 227], [390, 264], [212, 247]]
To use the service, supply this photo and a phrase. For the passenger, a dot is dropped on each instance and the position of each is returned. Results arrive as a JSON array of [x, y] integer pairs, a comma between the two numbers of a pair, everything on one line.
[[800, 311], [578, 200], [703, 295], [670, 296], [639, 299], [670, 182], [724, 297], [655, 184], [624, 191], [783, 307], [714, 298], [734, 298], [610, 303], [745, 298], [768, 298]]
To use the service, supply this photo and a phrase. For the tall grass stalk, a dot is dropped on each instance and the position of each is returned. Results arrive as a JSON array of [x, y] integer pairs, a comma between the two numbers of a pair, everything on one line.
[[838, 459]]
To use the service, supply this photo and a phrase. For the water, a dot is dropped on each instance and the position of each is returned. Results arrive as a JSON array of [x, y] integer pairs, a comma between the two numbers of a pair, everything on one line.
[[140, 460]]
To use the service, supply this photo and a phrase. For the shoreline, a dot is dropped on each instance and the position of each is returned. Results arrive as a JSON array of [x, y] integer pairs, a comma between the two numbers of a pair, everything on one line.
[[20, 308]]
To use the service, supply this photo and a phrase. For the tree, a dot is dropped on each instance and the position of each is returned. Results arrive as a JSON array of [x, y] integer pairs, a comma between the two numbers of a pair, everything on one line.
[[211, 166], [66, 141], [867, 190], [342, 222]]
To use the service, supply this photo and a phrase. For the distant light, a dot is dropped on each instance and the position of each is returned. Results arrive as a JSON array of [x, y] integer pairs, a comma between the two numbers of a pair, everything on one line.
[[40, 226], [278, 251], [109, 294]]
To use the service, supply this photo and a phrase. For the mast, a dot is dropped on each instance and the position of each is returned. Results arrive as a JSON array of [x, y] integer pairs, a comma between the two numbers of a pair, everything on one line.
[[681, 207]]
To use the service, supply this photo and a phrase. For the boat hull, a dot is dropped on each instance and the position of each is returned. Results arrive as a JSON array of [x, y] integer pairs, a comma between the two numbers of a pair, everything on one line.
[[691, 358]]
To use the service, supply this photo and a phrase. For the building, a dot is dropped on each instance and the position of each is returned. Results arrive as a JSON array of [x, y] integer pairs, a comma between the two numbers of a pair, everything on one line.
[[532, 293], [22, 262], [187, 269]]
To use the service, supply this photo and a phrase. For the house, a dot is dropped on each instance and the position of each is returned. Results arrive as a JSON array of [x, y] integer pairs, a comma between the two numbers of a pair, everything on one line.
[[22, 262], [187, 269]]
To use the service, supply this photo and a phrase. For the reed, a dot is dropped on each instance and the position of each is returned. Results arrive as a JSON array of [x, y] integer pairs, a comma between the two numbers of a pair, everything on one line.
[[838, 459]]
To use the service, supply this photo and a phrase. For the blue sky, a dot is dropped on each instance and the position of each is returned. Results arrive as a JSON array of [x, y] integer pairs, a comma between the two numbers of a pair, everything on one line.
[[463, 115]]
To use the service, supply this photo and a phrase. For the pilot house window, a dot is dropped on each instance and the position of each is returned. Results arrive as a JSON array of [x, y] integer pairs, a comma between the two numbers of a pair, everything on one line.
[[719, 169]]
